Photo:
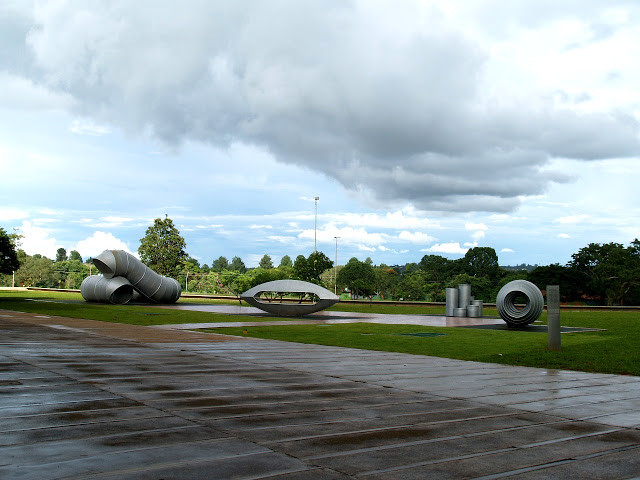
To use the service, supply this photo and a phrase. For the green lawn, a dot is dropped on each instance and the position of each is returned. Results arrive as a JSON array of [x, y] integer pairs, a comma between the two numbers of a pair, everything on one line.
[[67, 304], [615, 350]]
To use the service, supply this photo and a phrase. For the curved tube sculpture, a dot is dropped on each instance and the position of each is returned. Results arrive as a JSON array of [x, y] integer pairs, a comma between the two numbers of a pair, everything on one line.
[[96, 288], [326, 298], [118, 265], [514, 316]]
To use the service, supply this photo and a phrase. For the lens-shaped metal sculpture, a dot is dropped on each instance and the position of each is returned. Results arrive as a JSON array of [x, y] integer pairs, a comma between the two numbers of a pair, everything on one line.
[[284, 309], [519, 290]]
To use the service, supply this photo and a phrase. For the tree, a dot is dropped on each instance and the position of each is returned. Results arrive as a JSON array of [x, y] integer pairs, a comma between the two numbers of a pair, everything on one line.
[[162, 247], [410, 268], [75, 255], [265, 262], [569, 279], [285, 262], [609, 270], [237, 265], [482, 288], [8, 256], [300, 267], [61, 255], [309, 269], [386, 281], [359, 277], [436, 267], [37, 271], [412, 286], [220, 264], [481, 262]]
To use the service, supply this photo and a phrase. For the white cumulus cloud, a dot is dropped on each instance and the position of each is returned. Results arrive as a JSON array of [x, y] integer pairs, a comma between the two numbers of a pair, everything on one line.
[[99, 242], [451, 248], [37, 240], [416, 237]]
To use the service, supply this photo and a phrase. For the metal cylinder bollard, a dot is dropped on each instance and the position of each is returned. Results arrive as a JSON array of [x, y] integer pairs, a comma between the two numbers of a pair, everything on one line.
[[459, 312], [473, 311], [553, 317], [464, 297], [480, 306], [452, 301]]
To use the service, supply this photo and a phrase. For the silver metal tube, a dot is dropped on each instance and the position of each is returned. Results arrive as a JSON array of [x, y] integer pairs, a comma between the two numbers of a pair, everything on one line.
[[473, 311], [97, 288], [459, 312], [464, 297], [452, 301], [151, 286], [480, 306]]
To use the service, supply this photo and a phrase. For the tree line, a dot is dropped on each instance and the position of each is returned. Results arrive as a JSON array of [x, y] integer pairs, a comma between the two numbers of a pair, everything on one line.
[[599, 274]]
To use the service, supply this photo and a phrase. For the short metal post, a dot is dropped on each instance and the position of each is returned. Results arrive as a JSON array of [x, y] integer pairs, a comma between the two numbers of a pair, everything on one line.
[[553, 317]]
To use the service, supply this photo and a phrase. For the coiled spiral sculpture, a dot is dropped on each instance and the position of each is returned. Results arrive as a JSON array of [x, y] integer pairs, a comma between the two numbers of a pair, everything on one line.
[[513, 315]]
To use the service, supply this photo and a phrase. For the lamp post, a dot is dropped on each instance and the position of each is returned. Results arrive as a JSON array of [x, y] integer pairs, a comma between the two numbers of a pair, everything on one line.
[[335, 270], [315, 228]]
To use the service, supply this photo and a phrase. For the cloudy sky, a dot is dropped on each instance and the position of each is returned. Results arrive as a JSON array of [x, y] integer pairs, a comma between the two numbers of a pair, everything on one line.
[[422, 126]]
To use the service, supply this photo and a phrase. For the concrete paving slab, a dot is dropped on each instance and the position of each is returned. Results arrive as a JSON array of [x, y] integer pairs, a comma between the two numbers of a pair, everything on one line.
[[98, 401]]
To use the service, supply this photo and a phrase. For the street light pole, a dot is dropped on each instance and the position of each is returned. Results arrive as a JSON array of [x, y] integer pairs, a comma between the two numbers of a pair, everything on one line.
[[335, 270], [315, 228]]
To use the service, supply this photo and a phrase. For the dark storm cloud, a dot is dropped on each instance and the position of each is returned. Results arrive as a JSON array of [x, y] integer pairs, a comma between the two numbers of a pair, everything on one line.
[[385, 99]]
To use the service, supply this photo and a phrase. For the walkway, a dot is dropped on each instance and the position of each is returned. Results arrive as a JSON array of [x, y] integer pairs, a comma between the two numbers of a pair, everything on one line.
[[324, 317], [86, 399]]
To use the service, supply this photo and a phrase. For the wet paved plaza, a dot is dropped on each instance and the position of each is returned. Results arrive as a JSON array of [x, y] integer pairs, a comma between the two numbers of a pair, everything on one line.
[[84, 399]]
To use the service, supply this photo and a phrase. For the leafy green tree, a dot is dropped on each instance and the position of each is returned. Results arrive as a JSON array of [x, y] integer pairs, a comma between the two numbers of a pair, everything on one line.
[[191, 264], [359, 277], [264, 275], [8, 256], [162, 247], [410, 268], [61, 255], [609, 270], [300, 266], [481, 262], [569, 279], [436, 267], [70, 273], [237, 265], [386, 281], [482, 288], [311, 268], [37, 271], [75, 255], [412, 287], [285, 262], [220, 264], [265, 262]]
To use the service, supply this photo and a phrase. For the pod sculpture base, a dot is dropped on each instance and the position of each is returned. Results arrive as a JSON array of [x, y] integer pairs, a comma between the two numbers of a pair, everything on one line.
[[289, 309]]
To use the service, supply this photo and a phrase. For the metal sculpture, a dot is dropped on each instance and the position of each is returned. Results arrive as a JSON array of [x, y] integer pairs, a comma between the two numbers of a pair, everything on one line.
[[460, 303], [123, 277], [279, 306], [513, 315]]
